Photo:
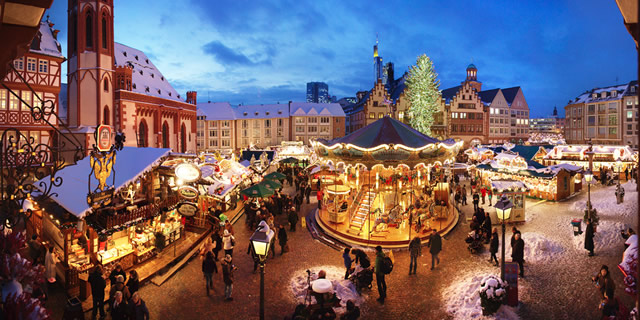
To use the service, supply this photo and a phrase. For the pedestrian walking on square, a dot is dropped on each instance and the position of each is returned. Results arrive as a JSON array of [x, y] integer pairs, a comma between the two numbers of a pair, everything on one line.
[[137, 308], [476, 201], [626, 174], [490, 194], [493, 246], [293, 219], [97, 291], [588, 238], [483, 190], [517, 253], [119, 308], [347, 261], [208, 268], [217, 243], [604, 282], [227, 274], [307, 192], [464, 197], [382, 284], [514, 230], [133, 283], [319, 196], [486, 227], [297, 200], [435, 246], [415, 251], [228, 242], [282, 239]]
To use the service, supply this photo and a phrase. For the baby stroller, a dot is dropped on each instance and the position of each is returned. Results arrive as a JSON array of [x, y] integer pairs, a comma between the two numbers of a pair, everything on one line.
[[362, 279], [475, 242]]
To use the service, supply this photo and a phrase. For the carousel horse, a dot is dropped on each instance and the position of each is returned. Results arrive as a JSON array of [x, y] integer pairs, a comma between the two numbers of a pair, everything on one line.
[[382, 220], [395, 215]]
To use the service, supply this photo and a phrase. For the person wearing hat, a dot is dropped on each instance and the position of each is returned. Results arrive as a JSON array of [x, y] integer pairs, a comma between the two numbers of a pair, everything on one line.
[[119, 287], [227, 275], [228, 241], [97, 291], [117, 271], [604, 283]]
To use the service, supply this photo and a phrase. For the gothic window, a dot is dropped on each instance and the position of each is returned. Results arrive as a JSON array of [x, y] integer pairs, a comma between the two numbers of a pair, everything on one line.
[[183, 139], [104, 31], [105, 115], [142, 134], [106, 85], [165, 135], [89, 30]]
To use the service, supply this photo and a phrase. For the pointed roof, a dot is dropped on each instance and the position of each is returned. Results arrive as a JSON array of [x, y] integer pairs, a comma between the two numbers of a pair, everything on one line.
[[487, 96], [385, 131], [448, 94], [510, 94]]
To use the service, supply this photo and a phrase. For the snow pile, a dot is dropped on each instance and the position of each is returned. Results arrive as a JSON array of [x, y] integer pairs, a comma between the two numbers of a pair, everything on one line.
[[345, 290], [462, 299], [607, 235], [604, 200], [537, 248]]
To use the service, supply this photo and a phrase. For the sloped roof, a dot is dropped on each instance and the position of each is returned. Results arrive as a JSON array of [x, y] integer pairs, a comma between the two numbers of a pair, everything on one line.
[[247, 154], [216, 111], [48, 44], [398, 89], [385, 131], [146, 78], [510, 94], [448, 94], [308, 108], [262, 111], [628, 92], [130, 163], [487, 96]]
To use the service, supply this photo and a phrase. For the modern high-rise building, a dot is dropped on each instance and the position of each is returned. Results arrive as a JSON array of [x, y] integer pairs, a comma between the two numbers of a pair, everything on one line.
[[318, 92], [377, 63], [387, 75]]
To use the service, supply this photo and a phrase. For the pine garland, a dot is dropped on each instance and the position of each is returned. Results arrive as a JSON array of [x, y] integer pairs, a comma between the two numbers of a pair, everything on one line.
[[423, 91]]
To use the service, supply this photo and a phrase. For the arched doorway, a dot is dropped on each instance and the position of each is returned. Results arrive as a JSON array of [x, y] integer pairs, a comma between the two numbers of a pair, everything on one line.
[[165, 135], [143, 134], [183, 139]]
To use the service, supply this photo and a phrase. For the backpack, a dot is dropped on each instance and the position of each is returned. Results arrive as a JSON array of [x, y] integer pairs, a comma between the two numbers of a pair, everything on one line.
[[387, 265]]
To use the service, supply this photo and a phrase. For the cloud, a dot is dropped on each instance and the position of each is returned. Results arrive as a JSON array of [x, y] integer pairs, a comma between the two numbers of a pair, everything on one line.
[[225, 55]]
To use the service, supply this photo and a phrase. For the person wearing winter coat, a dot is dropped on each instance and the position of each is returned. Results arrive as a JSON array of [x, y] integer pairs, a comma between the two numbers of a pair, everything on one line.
[[361, 258], [137, 308], [50, 261], [119, 308], [208, 268], [217, 243], [119, 286], [604, 283], [346, 257], [227, 275], [353, 311], [134, 283], [486, 226], [97, 291], [483, 191], [35, 250], [435, 246], [116, 272], [293, 219], [382, 284], [415, 251], [476, 201], [228, 242], [493, 246], [282, 239], [588, 238], [307, 192], [319, 197], [517, 252], [514, 230]]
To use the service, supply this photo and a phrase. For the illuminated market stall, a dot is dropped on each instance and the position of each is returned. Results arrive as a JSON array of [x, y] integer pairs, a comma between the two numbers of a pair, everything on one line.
[[385, 190], [614, 158]]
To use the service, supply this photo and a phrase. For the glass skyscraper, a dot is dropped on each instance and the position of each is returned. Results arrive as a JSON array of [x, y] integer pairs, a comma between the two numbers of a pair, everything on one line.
[[318, 92]]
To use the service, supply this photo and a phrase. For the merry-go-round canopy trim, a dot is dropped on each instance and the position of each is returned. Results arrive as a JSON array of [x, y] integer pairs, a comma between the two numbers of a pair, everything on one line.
[[387, 142]]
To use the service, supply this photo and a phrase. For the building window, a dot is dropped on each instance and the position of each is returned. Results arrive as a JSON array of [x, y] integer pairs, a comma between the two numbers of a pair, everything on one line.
[[104, 31], [324, 120], [380, 115], [3, 99], [313, 129], [89, 30], [299, 120], [225, 133], [26, 97], [312, 120], [105, 115], [142, 134], [375, 103], [591, 109], [613, 131], [225, 124], [256, 132], [245, 124], [372, 115], [300, 129], [213, 143], [226, 143], [106, 85], [279, 122], [629, 115], [267, 132], [14, 102], [213, 133], [245, 132], [165, 135], [591, 120], [267, 123], [324, 130], [613, 120], [19, 64], [31, 64], [43, 66]]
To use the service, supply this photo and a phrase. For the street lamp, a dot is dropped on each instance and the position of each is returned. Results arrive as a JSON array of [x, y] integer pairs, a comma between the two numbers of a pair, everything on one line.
[[588, 177], [503, 211], [261, 241], [619, 166]]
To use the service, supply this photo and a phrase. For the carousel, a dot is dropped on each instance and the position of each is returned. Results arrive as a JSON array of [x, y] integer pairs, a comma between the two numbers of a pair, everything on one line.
[[389, 185]]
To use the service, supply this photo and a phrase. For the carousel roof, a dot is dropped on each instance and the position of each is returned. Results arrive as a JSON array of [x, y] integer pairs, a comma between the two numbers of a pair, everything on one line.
[[385, 131]]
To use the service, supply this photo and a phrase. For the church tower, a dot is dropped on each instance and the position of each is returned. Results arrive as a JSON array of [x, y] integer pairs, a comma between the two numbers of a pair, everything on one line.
[[472, 77], [91, 63]]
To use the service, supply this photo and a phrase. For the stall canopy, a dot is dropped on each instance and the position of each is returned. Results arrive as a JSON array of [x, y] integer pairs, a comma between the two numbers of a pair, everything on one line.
[[247, 154], [130, 164]]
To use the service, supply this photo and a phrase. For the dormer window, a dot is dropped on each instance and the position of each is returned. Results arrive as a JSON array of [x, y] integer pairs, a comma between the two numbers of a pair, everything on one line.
[[159, 92], [594, 95], [146, 60], [124, 53], [146, 89], [614, 93], [279, 112], [161, 78], [633, 88], [152, 75], [169, 94], [134, 85], [267, 113], [141, 73], [256, 113], [244, 113], [178, 96], [136, 58]]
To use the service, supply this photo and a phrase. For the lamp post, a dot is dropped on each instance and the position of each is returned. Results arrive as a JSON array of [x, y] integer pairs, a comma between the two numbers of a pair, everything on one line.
[[619, 167], [588, 177], [261, 241], [503, 211]]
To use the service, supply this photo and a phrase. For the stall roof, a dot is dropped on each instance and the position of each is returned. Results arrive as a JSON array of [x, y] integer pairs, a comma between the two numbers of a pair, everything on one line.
[[247, 154], [509, 186], [130, 164]]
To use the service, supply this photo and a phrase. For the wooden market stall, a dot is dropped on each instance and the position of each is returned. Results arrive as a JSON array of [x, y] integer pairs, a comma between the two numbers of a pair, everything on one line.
[[515, 191]]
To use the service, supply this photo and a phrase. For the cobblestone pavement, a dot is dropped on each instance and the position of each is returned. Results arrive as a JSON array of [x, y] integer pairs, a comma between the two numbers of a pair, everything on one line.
[[559, 290]]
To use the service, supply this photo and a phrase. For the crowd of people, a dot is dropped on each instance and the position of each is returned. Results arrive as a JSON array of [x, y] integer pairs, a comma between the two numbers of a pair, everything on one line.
[[124, 301]]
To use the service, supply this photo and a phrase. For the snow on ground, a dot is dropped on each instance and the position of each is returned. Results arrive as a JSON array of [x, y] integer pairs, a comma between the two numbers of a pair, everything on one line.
[[607, 235], [537, 248], [462, 298], [604, 201], [344, 289]]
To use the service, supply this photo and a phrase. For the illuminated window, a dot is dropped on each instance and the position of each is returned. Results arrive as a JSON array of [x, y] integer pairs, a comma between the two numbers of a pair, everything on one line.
[[3, 99], [19, 64], [35, 137], [401, 115], [372, 115], [13, 102], [380, 115], [31, 64]]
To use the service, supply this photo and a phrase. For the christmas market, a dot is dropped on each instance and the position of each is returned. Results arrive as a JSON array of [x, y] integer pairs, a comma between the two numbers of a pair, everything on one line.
[[389, 185]]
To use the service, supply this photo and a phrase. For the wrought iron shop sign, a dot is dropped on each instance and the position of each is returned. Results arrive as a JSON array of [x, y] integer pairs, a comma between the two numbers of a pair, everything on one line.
[[188, 192], [103, 138], [187, 172]]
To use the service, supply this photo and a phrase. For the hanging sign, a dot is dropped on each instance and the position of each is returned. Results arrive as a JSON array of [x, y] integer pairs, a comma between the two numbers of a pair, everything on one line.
[[187, 209], [103, 138], [187, 172], [188, 192]]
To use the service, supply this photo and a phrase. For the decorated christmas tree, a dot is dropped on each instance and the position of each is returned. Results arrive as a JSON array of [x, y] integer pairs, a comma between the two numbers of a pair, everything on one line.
[[423, 90]]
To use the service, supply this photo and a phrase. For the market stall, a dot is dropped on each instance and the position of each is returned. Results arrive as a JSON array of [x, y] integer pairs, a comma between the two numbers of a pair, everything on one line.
[[604, 157], [515, 191]]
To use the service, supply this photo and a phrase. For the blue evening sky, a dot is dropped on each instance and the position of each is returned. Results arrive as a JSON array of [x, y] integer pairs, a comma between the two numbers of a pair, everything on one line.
[[255, 52]]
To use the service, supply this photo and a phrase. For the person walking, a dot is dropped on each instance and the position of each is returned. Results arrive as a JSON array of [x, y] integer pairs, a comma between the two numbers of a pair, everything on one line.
[[293, 219], [208, 268], [493, 246], [490, 194], [307, 192], [98, 285], [346, 257], [464, 197], [137, 308], [134, 283], [486, 226], [476, 201], [517, 253], [604, 282], [483, 191], [228, 242], [119, 308], [50, 261], [319, 196], [217, 243], [415, 251], [282, 239], [514, 230], [588, 238], [227, 275], [382, 285], [119, 286], [435, 246]]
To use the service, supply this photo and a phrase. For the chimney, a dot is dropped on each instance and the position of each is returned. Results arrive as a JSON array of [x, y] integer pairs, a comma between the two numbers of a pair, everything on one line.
[[191, 97]]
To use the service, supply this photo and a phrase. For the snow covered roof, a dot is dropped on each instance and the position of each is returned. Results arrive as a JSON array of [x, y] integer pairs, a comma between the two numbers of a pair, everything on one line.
[[147, 79], [48, 45], [506, 156], [624, 153], [216, 111], [554, 169], [508, 185], [309, 108], [448, 94], [602, 94], [130, 164], [262, 111]]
